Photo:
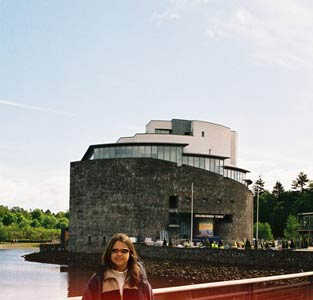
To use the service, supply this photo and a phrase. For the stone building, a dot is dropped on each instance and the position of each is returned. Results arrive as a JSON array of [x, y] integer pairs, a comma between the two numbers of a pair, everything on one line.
[[179, 176]]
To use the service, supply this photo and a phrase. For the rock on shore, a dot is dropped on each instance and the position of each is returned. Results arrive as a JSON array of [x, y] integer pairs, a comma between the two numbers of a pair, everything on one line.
[[196, 270]]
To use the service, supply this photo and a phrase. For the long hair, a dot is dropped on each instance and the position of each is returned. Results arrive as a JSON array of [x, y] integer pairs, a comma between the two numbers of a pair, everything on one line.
[[133, 271]]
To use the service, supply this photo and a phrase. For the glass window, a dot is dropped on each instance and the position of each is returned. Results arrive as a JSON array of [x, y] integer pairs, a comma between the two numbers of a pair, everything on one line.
[[173, 202], [111, 152], [129, 151], [160, 152], [207, 164], [135, 151], [221, 167], [190, 161], [101, 152], [212, 164], [118, 153], [217, 166], [240, 177], [106, 152], [96, 153], [162, 131], [185, 160], [166, 153], [154, 152], [123, 151], [173, 219], [147, 151], [141, 151], [173, 154], [179, 153], [201, 162], [197, 162]]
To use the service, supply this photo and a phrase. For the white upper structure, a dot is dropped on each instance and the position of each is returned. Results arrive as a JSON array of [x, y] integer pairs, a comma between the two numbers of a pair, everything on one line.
[[198, 144], [202, 138]]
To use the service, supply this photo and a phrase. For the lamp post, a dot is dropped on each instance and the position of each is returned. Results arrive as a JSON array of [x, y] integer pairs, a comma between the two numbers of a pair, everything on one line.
[[191, 216]]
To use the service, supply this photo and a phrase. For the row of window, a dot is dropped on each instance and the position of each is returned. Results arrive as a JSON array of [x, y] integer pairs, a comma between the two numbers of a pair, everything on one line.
[[234, 174], [209, 164], [168, 153]]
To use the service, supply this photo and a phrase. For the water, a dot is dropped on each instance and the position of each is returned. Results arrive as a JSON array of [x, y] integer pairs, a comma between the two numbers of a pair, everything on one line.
[[21, 280], [24, 280]]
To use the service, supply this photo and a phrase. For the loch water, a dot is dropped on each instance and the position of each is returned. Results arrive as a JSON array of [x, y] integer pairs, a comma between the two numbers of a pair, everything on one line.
[[24, 280]]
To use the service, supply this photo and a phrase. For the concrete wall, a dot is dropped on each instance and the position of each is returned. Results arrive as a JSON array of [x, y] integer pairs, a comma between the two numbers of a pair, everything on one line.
[[132, 196]]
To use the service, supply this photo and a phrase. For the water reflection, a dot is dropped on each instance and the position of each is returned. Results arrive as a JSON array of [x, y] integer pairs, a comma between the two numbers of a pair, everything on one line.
[[23, 280], [20, 280]]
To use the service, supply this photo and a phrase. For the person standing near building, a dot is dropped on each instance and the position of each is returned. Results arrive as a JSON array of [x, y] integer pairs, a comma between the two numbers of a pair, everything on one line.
[[121, 276]]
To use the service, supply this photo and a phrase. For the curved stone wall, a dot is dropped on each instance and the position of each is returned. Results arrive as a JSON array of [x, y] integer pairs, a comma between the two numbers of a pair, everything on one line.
[[132, 195]]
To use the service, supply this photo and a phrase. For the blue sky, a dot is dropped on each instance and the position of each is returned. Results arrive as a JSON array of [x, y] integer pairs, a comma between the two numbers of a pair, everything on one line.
[[75, 73]]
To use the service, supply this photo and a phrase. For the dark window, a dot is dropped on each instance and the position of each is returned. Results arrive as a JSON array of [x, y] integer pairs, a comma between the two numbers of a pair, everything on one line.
[[162, 131], [104, 240], [202, 133], [173, 219], [89, 239], [173, 202]]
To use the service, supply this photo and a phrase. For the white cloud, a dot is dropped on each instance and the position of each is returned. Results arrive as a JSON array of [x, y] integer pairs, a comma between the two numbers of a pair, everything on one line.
[[175, 9], [30, 189], [164, 16], [31, 107], [276, 32], [272, 32]]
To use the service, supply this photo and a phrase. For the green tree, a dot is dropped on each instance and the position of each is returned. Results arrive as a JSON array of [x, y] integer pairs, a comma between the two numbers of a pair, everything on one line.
[[3, 233], [62, 223], [49, 221], [300, 182], [265, 231], [310, 186], [3, 211], [37, 214], [259, 186], [9, 218], [290, 231], [35, 223], [278, 189]]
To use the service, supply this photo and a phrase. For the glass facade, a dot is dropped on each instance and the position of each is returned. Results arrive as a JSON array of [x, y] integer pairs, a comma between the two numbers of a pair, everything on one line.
[[171, 153], [234, 174]]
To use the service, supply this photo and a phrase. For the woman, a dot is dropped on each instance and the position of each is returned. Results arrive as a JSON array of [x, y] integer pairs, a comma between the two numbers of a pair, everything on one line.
[[121, 276]]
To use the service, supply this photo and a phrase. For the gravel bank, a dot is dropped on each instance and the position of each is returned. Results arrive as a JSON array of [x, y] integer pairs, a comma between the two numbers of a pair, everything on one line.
[[196, 270]]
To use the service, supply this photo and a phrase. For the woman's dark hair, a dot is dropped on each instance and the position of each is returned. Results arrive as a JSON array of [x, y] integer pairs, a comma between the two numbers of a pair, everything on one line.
[[132, 265]]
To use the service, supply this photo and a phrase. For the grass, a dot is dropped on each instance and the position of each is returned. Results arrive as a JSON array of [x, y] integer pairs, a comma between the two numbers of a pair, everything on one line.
[[18, 245]]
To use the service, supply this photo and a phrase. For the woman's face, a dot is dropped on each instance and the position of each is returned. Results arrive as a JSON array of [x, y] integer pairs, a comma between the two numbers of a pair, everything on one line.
[[120, 255]]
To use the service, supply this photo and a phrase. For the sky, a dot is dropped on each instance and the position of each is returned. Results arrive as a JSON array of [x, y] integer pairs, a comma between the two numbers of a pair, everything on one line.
[[75, 73]]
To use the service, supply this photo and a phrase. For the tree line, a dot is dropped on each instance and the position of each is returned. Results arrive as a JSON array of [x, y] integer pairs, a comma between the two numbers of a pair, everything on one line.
[[18, 224], [278, 208]]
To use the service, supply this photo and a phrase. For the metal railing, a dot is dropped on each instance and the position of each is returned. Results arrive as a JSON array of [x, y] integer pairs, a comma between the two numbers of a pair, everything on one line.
[[297, 286]]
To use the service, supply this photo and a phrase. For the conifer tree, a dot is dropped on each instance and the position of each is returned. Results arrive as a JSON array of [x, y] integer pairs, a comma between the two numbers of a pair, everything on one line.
[[278, 189], [300, 182], [259, 186]]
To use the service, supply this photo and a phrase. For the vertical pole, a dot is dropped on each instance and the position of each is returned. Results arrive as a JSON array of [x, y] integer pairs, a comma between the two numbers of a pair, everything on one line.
[[191, 216], [257, 215]]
